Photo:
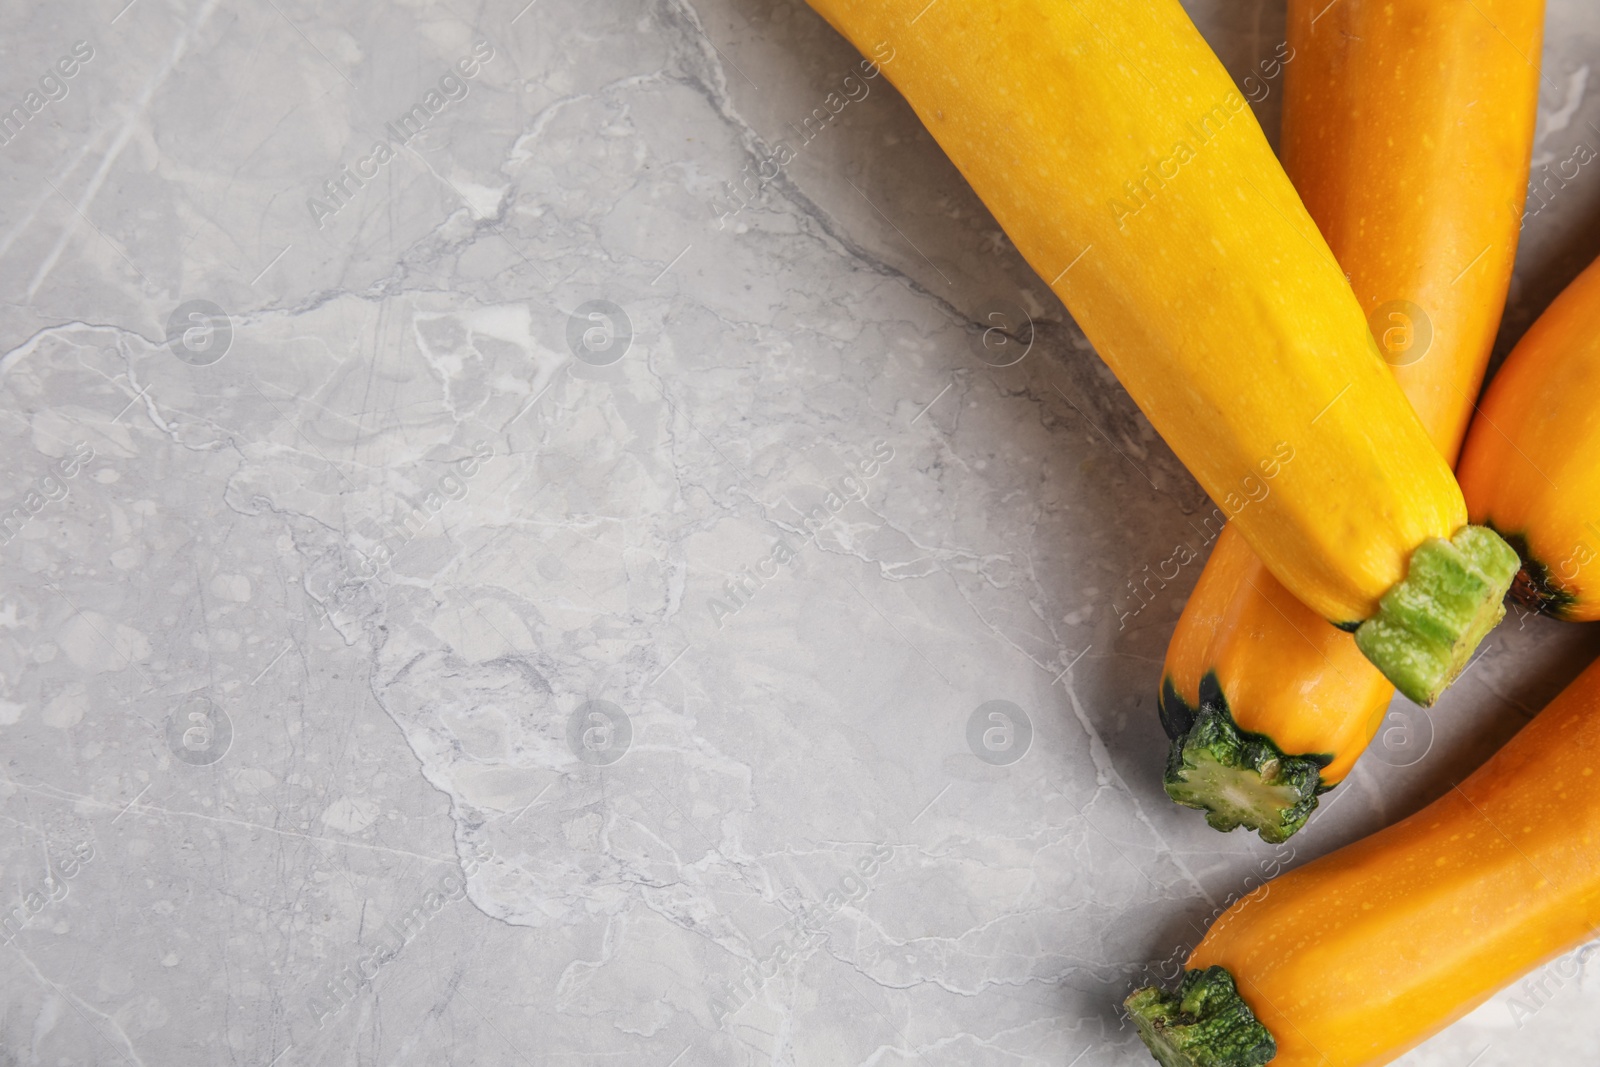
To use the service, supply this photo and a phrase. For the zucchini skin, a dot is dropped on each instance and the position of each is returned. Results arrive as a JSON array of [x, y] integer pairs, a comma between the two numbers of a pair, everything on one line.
[[1113, 149], [1408, 130], [1366, 952], [1531, 466], [1283, 672], [1363, 136]]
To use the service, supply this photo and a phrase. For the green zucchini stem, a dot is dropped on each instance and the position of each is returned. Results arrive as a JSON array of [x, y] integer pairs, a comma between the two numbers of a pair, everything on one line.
[[1236, 777], [1205, 1024], [1428, 625], [1534, 586]]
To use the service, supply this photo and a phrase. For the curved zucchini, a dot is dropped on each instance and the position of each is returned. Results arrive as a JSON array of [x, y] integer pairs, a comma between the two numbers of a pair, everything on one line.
[[1407, 128], [1111, 146], [1531, 467], [1366, 952]]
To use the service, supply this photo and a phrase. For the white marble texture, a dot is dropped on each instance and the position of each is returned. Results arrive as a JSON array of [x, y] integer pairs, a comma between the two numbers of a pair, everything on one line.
[[280, 758]]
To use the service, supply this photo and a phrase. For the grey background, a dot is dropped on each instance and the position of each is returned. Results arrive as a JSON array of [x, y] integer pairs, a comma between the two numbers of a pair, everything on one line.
[[283, 755]]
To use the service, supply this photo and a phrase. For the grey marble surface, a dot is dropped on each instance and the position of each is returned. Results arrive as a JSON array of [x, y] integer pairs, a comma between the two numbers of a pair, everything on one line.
[[431, 662]]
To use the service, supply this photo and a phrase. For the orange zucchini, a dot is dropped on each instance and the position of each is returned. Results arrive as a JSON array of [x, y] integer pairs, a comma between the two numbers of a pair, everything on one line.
[[1360, 955], [1407, 128], [1531, 467], [1111, 146]]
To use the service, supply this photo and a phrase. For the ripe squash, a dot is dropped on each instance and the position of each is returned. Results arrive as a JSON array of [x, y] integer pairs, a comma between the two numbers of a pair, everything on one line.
[[1407, 128], [1366, 952], [1531, 467], [1109, 143]]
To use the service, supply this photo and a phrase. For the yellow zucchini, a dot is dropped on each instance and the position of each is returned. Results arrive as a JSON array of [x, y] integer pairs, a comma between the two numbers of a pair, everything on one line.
[[1407, 128], [1111, 146], [1531, 467]]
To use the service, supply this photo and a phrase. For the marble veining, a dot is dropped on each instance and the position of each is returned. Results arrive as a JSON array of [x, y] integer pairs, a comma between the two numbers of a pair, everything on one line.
[[565, 534]]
